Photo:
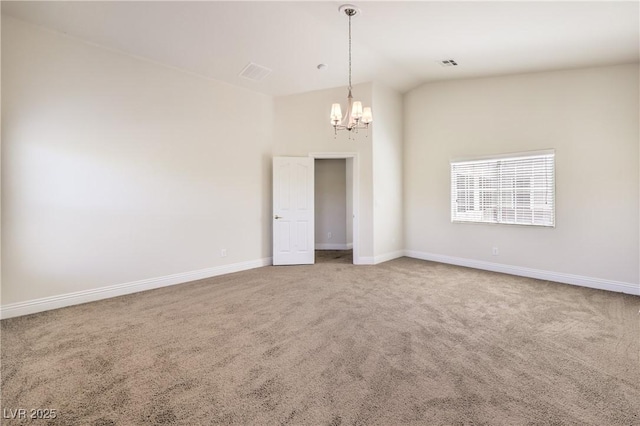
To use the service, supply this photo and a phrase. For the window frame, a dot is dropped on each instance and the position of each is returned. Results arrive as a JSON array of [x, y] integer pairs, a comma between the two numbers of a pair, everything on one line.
[[480, 197]]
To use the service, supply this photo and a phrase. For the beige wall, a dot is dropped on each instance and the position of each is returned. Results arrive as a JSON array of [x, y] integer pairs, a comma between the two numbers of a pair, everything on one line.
[[387, 173], [589, 116], [331, 204], [116, 169]]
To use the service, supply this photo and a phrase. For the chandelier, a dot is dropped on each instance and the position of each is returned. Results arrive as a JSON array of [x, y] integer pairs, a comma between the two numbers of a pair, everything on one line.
[[356, 117]]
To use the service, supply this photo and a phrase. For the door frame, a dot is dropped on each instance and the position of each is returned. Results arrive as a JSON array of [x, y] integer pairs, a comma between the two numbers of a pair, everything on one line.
[[355, 193]]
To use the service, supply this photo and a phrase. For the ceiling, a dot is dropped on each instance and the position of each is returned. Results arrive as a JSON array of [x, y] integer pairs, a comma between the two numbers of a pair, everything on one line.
[[396, 43]]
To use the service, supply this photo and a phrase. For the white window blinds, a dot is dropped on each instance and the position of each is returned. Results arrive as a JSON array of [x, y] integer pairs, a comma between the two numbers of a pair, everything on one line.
[[518, 189]]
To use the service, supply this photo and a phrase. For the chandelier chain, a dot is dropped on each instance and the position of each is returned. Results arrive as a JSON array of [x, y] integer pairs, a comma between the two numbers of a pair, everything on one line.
[[349, 52]]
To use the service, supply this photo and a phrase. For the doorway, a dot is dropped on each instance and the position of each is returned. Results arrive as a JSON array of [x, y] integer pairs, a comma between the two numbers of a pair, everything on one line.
[[334, 208]]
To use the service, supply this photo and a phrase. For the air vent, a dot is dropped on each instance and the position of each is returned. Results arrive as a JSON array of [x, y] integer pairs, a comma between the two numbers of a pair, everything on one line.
[[448, 63], [254, 72]]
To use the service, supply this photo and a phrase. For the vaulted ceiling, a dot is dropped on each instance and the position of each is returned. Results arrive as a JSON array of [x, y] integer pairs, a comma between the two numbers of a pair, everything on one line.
[[396, 43]]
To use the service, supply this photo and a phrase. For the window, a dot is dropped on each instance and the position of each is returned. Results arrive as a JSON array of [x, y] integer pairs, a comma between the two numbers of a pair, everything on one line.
[[515, 189]]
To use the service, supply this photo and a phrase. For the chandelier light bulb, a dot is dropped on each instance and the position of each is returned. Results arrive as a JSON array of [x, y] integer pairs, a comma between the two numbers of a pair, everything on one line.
[[336, 114], [367, 116], [357, 110]]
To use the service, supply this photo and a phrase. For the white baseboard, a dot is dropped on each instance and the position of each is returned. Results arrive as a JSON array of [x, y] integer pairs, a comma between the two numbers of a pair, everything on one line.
[[76, 298], [331, 246], [374, 260], [388, 256], [598, 283], [364, 260]]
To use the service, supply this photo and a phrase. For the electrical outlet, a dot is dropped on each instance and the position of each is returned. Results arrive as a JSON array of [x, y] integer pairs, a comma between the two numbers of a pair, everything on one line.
[[494, 251], [329, 235], [223, 253]]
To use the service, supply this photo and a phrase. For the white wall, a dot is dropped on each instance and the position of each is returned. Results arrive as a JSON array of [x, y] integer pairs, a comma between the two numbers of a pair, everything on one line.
[[387, 173], [302, 126], [115, 169], [589, 116], [331, 204]]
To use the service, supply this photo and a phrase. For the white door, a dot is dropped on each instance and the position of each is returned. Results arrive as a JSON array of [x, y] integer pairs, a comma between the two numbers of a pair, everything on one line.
[[293, 211]]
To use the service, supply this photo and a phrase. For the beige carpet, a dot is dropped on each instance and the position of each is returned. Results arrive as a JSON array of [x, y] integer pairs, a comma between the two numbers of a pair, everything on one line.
[[334, 256], [404, 342]]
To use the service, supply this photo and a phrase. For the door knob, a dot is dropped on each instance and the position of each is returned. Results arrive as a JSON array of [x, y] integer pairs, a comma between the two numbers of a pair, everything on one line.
[[277, 217]]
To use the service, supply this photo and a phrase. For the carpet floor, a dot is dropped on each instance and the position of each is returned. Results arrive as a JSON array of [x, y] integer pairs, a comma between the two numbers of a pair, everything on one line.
[[403, 342]]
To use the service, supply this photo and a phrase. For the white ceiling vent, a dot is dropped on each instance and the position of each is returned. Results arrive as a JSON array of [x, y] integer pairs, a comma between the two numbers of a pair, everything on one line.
[[448, 63], [254, 72]]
